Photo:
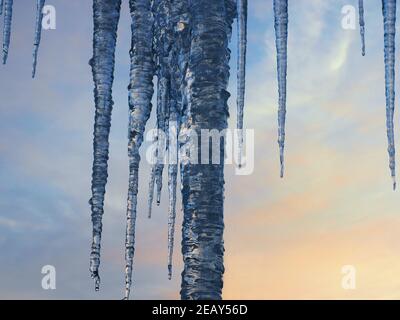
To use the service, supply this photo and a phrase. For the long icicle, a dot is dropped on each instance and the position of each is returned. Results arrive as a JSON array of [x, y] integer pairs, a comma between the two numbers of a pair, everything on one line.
[[178, 58], [152, 177], [38, 33], [389, 23], [162, 126], [241, 70], [160, 11], [8, 6], [281, 36], [159, 140], [1, 7], [140, 95], [105, 17], [362, 25]]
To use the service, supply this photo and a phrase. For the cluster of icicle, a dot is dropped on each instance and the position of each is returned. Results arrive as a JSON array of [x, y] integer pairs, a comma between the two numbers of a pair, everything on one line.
[[6, 6], [161, 47]]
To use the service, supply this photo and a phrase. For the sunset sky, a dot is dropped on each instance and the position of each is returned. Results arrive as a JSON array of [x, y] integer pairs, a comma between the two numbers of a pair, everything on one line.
[[284, 238]]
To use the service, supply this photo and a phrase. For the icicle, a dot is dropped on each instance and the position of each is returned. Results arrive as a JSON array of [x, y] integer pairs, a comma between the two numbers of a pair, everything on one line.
[[241, 72], [281, 34], [160, 11], [162, 125], [362, 25], [157, 167], [8, 6], [105, 18], [152, 177], [38, 32], [203, 185], [172, 181], [140, 94], [1, 7], [389, 23], [173, 152], [173, 165]]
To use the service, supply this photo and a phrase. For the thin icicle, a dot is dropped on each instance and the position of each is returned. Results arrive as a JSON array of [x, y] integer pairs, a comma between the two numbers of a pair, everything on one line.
[[173, 133], [362, 25], [105, 17], [140, 94], [8, 6], [152, 177], [389, 23], [281, 36], [161, 12], [38, 32], [159, 140], [241, 70], [1, 7], [178, 30]]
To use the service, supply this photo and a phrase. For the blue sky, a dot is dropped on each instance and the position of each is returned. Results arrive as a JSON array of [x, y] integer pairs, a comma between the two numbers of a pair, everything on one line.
[[284, 238]]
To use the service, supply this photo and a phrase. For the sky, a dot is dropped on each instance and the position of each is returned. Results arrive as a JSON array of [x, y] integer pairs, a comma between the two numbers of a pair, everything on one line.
[[284, 238]]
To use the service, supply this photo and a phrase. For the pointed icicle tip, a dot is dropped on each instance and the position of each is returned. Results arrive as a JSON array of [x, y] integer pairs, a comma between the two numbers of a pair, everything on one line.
[[394, 183], [151, 192], [159, 177]]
